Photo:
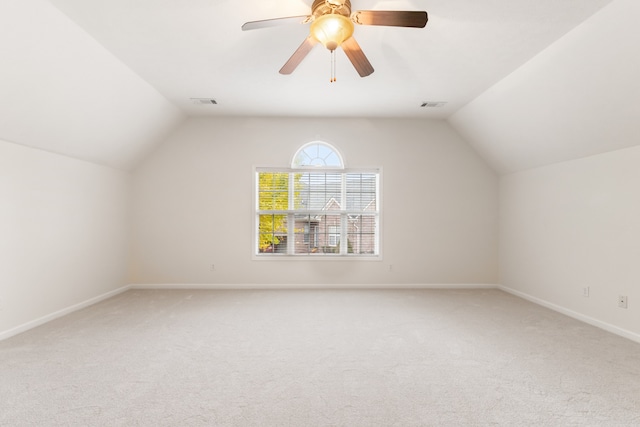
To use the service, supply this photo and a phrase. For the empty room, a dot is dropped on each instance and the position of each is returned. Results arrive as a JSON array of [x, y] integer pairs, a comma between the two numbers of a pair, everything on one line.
[[319, 213]]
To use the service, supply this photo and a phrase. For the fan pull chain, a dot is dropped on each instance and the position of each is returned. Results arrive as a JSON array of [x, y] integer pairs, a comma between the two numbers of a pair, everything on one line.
[[333, 66]]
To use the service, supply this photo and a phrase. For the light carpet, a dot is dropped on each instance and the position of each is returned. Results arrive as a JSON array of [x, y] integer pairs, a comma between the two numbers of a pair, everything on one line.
[[318, 358]]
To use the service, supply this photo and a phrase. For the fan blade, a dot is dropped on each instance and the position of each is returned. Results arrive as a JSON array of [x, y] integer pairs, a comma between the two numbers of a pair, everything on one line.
[[254, 25], [298, 55], [357, 57], [391, 18]]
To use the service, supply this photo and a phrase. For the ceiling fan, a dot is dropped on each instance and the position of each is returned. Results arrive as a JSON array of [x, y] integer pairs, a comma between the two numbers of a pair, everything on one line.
[[332, 25]]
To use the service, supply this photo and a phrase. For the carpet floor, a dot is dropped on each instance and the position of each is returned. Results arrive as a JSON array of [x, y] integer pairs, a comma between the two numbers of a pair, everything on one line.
[[318, 358]]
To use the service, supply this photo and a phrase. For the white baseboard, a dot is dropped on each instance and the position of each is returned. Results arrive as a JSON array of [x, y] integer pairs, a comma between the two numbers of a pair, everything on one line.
[[574, 314], [44, 319], [583, 318], [219, 286]]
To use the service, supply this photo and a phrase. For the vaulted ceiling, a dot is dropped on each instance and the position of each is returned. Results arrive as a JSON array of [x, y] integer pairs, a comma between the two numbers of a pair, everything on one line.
[[527, 83], [577, 98]]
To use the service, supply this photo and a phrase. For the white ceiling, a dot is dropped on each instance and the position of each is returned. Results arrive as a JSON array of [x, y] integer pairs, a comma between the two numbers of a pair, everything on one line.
[[527, 82], [197, 49], [61, 91], [577, 98]]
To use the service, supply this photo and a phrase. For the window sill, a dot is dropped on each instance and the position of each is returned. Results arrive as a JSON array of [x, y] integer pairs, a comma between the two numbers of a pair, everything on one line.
[[314, 258]]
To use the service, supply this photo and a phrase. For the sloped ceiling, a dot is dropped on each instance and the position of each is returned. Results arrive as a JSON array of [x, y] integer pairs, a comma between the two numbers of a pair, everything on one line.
[[525, 82], [577, 98], [61, 91], [197, 49]]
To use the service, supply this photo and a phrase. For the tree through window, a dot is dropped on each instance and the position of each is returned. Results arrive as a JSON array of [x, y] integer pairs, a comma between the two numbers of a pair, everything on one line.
[[317, 207]]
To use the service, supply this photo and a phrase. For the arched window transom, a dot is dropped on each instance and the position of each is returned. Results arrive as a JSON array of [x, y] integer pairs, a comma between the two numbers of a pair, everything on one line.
[[317, 154]]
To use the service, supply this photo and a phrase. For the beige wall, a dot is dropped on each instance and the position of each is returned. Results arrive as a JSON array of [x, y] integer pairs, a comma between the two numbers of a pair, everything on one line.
[[63, 228], [192, 204], [65, 223], [572, 225]]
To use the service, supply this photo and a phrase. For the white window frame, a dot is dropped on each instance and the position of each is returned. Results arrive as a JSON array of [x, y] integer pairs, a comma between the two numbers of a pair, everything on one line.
[[342, 253], [320, 157], [315, 161]]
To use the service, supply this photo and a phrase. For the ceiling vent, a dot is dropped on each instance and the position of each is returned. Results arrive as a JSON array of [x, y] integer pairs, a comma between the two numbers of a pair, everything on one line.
[[204, 101], [433, 104]]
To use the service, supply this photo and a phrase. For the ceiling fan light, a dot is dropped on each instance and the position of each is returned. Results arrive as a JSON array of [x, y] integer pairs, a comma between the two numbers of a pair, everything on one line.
[[331, 30]]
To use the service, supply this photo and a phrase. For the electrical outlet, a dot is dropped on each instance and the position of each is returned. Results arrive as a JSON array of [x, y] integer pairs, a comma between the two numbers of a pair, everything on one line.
[[212, 267], [622, 301], [585, 291]]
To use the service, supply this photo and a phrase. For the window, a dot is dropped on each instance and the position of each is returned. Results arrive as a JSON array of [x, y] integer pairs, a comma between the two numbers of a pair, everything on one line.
[[317, 154], [317, 207]]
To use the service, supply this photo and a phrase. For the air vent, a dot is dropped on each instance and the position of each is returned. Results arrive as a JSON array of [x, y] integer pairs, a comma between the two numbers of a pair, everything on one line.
[[204, 101], [433, 104]]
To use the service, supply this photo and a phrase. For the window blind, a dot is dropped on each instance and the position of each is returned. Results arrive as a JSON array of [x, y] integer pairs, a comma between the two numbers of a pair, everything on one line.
[[315, 213]]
